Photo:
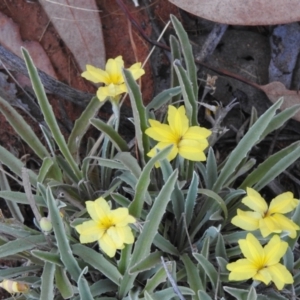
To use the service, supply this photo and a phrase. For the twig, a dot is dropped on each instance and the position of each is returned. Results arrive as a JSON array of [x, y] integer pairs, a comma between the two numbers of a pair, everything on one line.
[[54, 86]]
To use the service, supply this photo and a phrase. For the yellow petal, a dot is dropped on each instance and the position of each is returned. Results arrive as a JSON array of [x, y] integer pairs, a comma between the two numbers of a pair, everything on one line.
[[97, 209], [136, 70], [274, 250], [241, 270], [114, 69], [197, 133], [251, 248], [286, 224], [280, 275], [121, 217], [160, 132], [107, 245], [269, 225], [247, 220], [89, 231], [192, 150], [114, 234], [178, 121], [283, 203], [254, 201], [263, 275], [126, 233], [96, 75]]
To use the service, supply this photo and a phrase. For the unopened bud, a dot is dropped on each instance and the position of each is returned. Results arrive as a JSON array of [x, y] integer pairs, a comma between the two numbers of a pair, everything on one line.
[[14, 286], [46, 225]]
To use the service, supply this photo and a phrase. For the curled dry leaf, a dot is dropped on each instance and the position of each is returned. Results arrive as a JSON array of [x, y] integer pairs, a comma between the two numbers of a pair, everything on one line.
[[276, 90], [237, 12], [10, 39], [78, 24]]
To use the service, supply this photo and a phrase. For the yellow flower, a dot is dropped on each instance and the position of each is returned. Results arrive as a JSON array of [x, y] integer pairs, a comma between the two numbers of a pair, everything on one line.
[[108, 227], [188, 142], [267, 219], [112, 77], [13, 287], [261, 263]]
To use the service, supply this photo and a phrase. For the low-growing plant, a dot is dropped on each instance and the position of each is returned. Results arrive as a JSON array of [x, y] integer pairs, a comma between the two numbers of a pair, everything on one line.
[[161, 220]]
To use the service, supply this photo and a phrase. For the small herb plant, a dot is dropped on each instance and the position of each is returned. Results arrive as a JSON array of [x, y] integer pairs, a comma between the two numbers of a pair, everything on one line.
[[164, 220]]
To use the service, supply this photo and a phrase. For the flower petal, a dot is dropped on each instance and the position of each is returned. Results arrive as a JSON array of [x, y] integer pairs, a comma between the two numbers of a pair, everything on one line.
[[192, 150], [107, 245], [286, 224], [269, 225], [121, 217], [96, 75], [89, 231], [274, 250], [97, 209], [136, 70], [160, 132], [251, 248], [280, 275], [114, 69], [247, 220], [178, 121], [242, 269], [263, 275], [255, 201], [117, 239], [197, 133], [283, 203]]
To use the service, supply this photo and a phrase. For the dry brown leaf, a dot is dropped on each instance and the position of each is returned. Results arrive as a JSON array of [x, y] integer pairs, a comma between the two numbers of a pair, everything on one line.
[[10, 38], [276, 90], [78, 24], [243, 12]]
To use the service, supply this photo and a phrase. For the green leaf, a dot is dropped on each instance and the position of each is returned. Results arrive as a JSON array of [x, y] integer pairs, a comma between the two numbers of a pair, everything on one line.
[[62, 241], [163, 98], [191, 199], [203, 296], [16, 165], [63, 283], [280, 119], [245, 145], [139, 114], [83, 287], [175, 54], [211, 169], [13, 272], [53, 258], [252, 294], [193, 277], [208, 268], [12, 206], [114, 137], [47, 286], [152, 222], [21, 198], [44, 169], [187, 93], [98, 261], [81, 126], [21, 244], [147, 263], [141, 188], [278, 168], [129, 162], [158, 278], [188, 55], [165, 245], [272, 166], [23, 129], [48, 113]]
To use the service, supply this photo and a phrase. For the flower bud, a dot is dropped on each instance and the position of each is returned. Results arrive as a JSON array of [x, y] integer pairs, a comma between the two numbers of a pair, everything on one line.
[[14, 287], [46, 225]]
